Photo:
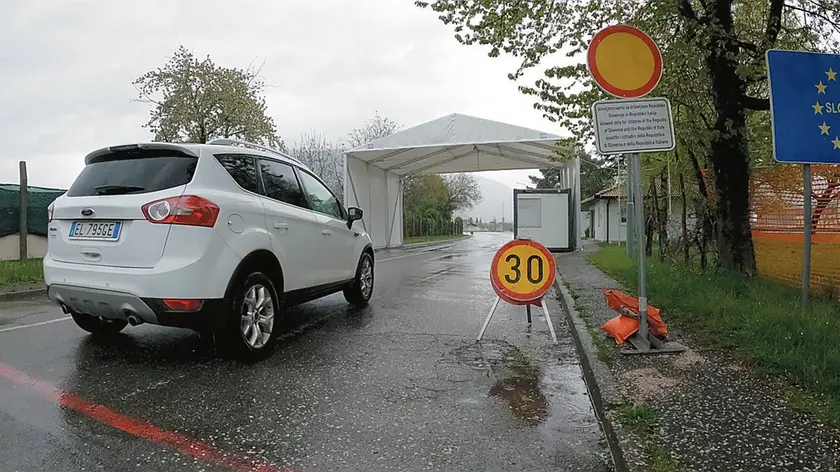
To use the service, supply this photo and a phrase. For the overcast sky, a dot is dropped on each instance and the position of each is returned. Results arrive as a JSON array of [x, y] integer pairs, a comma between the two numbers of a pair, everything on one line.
[[66, 69]]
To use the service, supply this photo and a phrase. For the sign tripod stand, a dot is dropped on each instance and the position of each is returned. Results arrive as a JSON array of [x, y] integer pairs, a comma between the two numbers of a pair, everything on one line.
[[521, 273]]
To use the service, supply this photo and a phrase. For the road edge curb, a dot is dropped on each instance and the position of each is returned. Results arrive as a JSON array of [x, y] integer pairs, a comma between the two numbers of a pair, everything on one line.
[[432, 243], [23, 293], [586, 349]]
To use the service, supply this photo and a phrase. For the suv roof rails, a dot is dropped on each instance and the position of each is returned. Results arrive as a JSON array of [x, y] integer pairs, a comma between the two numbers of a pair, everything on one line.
[[235, 142]]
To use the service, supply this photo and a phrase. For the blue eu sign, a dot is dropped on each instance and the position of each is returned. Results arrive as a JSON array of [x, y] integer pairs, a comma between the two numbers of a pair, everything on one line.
[[805, 106]]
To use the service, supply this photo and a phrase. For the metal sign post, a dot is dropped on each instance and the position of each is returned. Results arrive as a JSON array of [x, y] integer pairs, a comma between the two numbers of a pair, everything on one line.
[[636, 159], [806, 232], [629, 233], [631, 125], [804, 90]]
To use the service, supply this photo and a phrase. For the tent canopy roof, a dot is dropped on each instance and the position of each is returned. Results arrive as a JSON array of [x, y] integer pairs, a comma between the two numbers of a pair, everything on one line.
[[460, 143]]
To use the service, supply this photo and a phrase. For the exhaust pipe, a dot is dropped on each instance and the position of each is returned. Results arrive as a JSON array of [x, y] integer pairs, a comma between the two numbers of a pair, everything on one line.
[[134, 321]]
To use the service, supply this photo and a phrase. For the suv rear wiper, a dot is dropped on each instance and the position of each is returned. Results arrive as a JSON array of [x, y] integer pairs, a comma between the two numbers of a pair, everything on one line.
[[117, 189]]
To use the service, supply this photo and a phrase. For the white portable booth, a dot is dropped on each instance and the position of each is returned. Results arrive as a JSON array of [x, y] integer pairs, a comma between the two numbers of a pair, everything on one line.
[[373, 173], [545, 216]]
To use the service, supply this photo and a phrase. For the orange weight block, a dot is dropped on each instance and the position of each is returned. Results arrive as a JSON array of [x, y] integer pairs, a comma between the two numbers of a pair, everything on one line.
[[627, 322]]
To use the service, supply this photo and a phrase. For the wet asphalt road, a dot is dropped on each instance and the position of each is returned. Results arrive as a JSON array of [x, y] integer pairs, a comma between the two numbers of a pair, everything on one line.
[[400, 385]]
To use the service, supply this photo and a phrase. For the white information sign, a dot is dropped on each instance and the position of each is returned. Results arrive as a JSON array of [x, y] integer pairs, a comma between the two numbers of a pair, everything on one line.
[[634, 125]]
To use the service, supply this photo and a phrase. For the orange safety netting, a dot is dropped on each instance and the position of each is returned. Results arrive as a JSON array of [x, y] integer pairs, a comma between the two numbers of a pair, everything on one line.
[[627, 322], [777, 221]]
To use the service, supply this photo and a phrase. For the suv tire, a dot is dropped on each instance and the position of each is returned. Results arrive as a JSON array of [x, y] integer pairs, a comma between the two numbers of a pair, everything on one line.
[[251, 328], [360, 291], [98, 326]]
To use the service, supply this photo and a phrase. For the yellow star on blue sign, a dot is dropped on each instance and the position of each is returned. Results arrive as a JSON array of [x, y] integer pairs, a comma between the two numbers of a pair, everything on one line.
[[805, 106], [829, 107]]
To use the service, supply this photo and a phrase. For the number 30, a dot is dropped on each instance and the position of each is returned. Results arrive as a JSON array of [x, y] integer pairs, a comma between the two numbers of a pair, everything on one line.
[[529, 273]]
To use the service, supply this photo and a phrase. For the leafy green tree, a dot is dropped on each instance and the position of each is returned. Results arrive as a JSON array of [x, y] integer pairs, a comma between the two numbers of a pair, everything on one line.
[[463, 191], [714, 61], [427, 197], [197, 101], [596, 175]]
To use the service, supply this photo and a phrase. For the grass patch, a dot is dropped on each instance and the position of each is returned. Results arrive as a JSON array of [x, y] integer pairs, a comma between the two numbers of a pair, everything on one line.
[[604, 350], [429, 239], [641, 419], [21, 272], [638, 417], [761, 322], [659, 459]]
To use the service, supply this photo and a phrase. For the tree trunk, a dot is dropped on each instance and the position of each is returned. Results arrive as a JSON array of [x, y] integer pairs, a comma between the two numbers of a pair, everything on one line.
[[705, 228], [729, 152], [684, 222], [661, 209], [649, 221]]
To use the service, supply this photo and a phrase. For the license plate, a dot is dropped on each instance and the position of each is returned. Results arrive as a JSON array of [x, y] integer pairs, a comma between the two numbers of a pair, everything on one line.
[[107, 230]]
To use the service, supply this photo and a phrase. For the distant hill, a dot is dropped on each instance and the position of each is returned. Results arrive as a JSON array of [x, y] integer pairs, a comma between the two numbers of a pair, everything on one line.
[[496, 196]]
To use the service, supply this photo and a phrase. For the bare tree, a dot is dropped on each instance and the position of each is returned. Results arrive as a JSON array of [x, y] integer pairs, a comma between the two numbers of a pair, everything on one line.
[[373, 129], [324, 157]]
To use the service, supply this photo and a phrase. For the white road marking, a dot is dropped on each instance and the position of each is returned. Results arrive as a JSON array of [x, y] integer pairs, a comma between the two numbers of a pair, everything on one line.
[[32, 325], [395, 257], [416, 252]]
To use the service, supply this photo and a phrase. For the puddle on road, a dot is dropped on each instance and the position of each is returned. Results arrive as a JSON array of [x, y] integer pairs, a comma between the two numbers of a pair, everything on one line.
[[553, 397], [448, 257], [521, 389]]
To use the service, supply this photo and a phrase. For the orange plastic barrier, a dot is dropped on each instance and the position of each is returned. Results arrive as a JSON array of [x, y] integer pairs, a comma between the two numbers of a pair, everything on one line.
[[627, 322], [776, 205]]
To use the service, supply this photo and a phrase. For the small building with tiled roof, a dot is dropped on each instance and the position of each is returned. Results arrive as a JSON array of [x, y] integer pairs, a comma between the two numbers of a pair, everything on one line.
[[608, 214]]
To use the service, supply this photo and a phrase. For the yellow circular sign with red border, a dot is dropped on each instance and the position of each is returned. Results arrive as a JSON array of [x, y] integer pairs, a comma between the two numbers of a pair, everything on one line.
[[624, 61], [522, 271]]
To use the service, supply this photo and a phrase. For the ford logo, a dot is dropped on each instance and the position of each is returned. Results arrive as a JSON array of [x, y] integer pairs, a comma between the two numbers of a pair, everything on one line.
[[87, 212]]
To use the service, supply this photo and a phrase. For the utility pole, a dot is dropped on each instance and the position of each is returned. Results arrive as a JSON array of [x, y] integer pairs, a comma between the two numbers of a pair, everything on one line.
[[23, 204]]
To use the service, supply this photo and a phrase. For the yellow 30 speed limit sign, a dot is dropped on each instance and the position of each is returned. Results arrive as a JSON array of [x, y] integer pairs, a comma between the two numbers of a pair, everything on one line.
[[522, 271]]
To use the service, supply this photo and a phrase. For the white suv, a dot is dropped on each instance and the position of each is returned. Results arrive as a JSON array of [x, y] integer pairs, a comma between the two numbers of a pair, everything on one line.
[[216, 237]]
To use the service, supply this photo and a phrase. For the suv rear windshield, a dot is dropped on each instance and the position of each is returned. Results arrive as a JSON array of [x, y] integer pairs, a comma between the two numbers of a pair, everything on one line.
[[119, 174]]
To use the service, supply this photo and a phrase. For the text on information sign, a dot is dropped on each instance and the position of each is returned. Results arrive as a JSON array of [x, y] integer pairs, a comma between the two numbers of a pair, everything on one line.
[[640, 125]]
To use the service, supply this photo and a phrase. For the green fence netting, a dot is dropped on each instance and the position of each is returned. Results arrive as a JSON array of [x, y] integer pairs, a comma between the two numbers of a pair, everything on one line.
[[39, 199]]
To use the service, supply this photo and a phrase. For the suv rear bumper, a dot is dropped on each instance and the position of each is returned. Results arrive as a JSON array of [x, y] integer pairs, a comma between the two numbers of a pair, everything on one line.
[[210, 316]]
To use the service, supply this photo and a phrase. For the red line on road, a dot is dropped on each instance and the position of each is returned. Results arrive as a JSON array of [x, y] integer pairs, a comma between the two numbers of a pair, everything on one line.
[[137, 428]]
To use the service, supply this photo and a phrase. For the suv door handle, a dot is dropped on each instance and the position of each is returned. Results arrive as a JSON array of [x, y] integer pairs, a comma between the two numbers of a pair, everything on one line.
[[326, 232], [282, 226]]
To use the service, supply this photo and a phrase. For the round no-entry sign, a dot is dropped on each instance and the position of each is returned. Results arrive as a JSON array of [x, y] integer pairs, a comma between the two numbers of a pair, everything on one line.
[[522, 271], [624, 61]]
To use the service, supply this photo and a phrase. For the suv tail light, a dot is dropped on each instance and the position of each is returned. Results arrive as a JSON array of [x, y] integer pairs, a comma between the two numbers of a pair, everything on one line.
[[178, 304], [188, 210], [50, 212]]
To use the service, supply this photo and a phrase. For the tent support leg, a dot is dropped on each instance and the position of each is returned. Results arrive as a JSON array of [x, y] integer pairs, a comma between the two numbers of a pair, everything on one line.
[[388, 224], [394, 214], [370, 204], [353, 187]]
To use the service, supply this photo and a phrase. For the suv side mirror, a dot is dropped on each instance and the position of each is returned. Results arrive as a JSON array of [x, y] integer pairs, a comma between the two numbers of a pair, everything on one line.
[[353, 214]]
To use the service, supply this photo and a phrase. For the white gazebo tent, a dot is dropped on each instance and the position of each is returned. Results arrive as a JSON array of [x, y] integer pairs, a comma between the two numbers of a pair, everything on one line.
[[373, 173]]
